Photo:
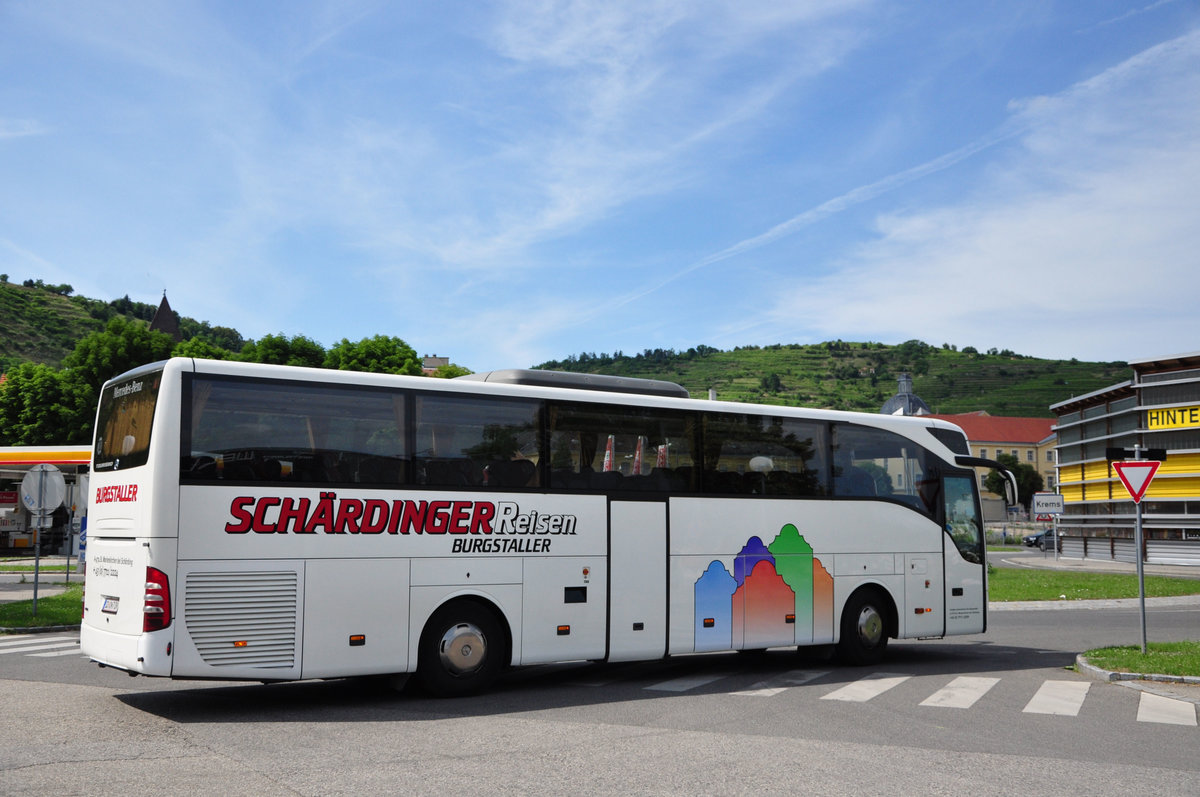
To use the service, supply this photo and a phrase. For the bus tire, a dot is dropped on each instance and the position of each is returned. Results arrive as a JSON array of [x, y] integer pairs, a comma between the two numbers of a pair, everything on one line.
[[461, 650], [864, 628]]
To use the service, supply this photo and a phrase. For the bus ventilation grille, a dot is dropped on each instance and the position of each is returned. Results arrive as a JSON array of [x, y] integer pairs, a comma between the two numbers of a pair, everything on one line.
[[245, 619]]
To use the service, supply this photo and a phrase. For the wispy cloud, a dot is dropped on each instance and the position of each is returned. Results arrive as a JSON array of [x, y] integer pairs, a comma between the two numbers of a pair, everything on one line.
[[1096, 205], [21, 128]]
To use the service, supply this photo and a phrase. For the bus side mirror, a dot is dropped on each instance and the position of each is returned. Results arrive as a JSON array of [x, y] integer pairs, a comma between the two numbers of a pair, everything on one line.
[[1010, 488], [1010, 481]]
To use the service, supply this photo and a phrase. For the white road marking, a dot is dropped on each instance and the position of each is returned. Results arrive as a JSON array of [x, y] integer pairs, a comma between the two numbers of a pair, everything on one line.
[[781, 683], [864, 689], [1168, 710], [1062, 698], [962, 692]]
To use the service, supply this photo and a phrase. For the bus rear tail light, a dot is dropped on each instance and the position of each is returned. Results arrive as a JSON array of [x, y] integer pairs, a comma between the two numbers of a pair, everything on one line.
[[157, 612]]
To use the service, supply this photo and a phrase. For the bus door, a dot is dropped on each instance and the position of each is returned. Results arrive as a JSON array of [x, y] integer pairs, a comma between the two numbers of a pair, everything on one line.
[[965, 561], [638, 580]]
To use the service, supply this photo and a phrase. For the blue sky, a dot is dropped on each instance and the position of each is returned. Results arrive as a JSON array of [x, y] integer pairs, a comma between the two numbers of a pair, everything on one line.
[[506, 183]]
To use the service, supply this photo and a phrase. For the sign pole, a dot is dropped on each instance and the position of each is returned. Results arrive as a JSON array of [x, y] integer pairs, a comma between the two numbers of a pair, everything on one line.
[[37, 537], [1137, 543], [1136, 475]]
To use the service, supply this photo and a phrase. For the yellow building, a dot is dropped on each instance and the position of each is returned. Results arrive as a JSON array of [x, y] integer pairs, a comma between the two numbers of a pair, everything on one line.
[[1159, 408]]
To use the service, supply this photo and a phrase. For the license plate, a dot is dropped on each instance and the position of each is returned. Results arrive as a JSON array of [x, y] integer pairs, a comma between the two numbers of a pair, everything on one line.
[[110, 605]]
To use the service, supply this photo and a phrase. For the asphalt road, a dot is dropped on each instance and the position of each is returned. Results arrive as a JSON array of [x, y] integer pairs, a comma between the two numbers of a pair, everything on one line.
[[997, 713]]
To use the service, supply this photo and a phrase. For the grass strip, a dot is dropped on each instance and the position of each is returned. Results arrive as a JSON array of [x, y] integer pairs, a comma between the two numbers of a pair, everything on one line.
[[1160, 658], [62, 609], [1018, 584]]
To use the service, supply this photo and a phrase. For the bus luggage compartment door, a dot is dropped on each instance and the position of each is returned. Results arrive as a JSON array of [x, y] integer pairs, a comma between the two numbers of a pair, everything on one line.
[[638, 595]]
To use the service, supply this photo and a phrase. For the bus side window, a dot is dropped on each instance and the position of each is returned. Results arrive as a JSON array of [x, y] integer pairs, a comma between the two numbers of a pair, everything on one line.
[[764, 455], [875, 463], [463, 441], [293, 433], [604, 448]]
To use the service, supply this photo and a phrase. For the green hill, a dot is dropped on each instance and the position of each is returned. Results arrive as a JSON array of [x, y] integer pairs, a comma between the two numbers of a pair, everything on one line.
[[862, 376], [42, 323]]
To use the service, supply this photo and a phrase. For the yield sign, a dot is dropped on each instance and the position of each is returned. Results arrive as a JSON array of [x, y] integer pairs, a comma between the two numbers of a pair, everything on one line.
[[1136, 476]]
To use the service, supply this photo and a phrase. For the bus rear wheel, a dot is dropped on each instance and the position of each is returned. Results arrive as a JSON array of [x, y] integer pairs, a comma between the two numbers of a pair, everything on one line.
[[864, 629], [461, 650]]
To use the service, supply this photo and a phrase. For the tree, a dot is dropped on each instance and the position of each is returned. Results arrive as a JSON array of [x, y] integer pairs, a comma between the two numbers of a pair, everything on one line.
[[1029, 481], [42, 406], [279, 350], [450, 371], [124, 344], [202, 348], [379, 354]]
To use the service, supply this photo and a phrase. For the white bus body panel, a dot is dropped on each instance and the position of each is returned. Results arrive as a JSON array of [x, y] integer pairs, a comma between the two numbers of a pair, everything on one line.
[[355, 620], [966, 593], [757, 574], [565, 609], [115, 588], [638, 592]]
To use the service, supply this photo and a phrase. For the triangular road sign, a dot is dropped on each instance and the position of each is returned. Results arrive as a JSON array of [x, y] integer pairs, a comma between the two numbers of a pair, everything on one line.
[[1136, 476]]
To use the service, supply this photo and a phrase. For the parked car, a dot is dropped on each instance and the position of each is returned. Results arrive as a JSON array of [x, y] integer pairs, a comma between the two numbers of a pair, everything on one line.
[[1046, 543], [1033, 540]]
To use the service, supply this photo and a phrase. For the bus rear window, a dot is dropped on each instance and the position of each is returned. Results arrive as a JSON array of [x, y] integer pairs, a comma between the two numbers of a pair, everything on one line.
[[124, 422]]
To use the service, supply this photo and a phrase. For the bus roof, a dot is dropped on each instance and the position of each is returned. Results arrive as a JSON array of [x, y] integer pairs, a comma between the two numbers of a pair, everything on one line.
[[576, 381]]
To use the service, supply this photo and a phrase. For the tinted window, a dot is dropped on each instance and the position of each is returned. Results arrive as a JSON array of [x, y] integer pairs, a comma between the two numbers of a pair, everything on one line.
[[760, 455], [476, 442], [879, 464], [124, 422], [600, 448], [292, 432]]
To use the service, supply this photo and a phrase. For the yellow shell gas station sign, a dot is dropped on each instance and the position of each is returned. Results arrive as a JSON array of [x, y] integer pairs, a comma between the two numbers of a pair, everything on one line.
[[1173, 418]]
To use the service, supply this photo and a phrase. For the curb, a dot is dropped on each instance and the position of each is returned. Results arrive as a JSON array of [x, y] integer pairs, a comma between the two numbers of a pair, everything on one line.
[[1107, 675], [41, 629]]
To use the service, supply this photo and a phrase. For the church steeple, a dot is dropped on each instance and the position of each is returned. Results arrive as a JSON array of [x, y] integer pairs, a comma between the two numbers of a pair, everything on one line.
[[164, 319]]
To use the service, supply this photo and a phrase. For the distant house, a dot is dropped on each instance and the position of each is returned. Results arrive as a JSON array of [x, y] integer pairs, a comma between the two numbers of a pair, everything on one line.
[[431, 363], [1030, 440]]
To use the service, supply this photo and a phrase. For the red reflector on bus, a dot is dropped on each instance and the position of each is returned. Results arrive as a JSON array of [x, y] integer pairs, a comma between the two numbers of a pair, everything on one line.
[[918, 611], [240, 643], [791, 618], [564, 630], [358, 640], [709, 622]]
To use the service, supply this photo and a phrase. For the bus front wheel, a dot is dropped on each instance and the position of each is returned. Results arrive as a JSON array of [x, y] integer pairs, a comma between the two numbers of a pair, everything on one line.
[[461, 650], [864, 629]]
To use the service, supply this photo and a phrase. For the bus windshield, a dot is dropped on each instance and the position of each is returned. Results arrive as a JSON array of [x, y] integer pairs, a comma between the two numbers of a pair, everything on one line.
[[124, 422]]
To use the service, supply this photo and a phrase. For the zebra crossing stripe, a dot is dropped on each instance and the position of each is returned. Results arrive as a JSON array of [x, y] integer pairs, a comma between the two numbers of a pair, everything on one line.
[[44, 643], [864, 689], [74, 651], [774, 686], [962, 692], [1061, 698], [687, 682], [1156, 708]]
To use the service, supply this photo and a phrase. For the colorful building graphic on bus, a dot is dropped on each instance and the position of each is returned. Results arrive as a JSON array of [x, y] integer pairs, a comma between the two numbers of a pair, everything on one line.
[[778, 594]]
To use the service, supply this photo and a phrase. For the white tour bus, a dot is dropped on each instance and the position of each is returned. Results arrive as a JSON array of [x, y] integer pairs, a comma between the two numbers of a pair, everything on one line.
[[272, 523]]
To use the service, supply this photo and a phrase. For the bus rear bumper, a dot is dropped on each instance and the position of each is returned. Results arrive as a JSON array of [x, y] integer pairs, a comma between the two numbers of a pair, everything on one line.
[[143, 654]]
